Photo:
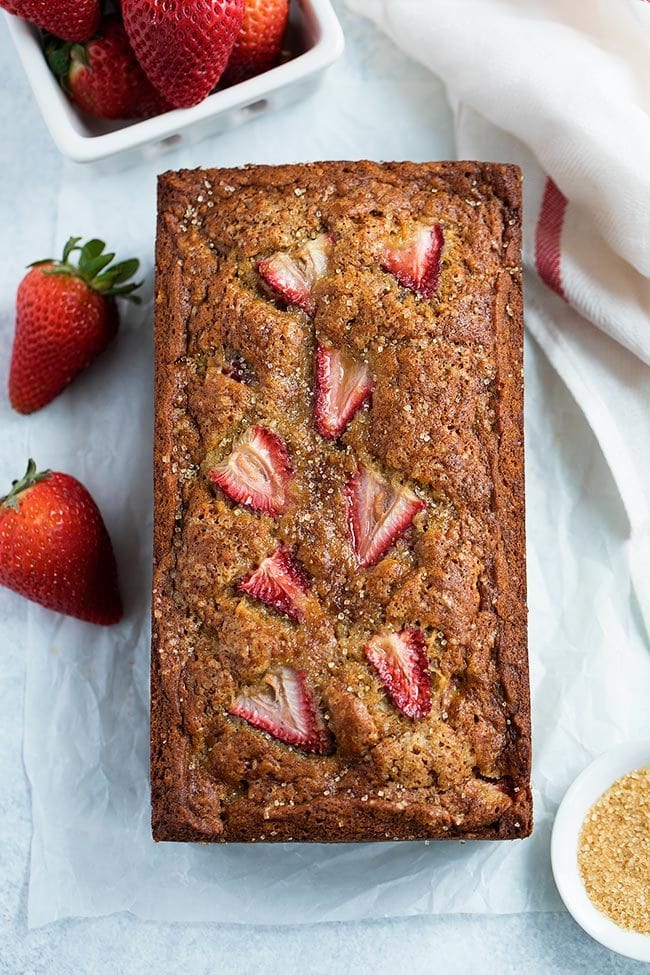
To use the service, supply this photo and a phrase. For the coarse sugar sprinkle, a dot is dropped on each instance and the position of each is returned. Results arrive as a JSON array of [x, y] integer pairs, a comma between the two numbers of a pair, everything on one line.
[[614, 852]]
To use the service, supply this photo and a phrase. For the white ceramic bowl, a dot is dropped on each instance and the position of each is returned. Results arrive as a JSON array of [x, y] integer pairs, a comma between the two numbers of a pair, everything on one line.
[[586, 789], [314, 30]]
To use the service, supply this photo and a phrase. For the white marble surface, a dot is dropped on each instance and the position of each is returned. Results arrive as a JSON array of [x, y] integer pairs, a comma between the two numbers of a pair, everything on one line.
[[30, 176]]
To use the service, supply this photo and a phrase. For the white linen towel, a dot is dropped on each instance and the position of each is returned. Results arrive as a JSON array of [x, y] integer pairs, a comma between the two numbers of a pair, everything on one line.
[[562, 87]]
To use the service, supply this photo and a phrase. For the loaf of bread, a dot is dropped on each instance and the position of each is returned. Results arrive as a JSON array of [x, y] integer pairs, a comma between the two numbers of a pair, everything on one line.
[[339, 618]]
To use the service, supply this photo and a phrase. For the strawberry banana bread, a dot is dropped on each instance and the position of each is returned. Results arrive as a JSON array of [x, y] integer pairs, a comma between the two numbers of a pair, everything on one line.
[[339, 620]]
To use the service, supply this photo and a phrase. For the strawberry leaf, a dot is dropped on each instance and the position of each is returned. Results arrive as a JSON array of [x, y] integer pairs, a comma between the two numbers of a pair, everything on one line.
[[57, 54], [90, 250], [91, 268], [127, 292], [94, 268], [70, 246], [125, 270]]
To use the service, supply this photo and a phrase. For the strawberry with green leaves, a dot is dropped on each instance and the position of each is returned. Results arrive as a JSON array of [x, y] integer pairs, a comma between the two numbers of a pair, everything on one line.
[[103, 76], [66, 314], [55, 550], [72, 20]]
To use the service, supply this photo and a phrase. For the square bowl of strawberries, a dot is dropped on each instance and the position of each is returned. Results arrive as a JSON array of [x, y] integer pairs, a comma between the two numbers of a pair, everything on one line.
[[118, 82]]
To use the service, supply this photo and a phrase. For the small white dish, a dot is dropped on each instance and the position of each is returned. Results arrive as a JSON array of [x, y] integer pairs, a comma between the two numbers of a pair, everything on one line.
[[314, 31], [587, 788]]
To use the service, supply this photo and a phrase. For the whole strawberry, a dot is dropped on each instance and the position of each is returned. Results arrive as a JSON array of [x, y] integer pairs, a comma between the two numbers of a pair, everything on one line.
[[72, 20], [55, 550], [183, 47], [103, 76], [65, 316], [259, 43]]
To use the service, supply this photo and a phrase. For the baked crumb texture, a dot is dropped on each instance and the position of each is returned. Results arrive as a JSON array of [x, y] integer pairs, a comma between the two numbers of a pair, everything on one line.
[[614, 852], [444, 420]]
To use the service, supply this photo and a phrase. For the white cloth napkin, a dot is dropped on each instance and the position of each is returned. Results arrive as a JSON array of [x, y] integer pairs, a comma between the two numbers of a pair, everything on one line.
[[562, 87]]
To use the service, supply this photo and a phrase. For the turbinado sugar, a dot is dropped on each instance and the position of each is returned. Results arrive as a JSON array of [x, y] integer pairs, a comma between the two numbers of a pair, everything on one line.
[[614, 852]]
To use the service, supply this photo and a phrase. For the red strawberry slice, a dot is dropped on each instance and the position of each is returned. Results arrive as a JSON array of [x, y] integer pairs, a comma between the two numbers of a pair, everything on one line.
[[286, 709], [279, 582], [342, 387], [378, 514], [401, 661], [257, 473], [416, 263], [293, 277]]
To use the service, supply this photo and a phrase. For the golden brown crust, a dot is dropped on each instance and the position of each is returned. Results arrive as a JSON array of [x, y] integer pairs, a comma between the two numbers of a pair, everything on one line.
[[446, 416]]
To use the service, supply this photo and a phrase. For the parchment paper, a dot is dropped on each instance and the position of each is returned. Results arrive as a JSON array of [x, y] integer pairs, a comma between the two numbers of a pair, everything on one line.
[[86, 707]]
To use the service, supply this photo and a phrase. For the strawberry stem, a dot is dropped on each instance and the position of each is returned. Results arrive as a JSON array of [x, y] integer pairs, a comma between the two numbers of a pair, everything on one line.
[[95, 267], [30, 478], [59, 55], [62, 57]]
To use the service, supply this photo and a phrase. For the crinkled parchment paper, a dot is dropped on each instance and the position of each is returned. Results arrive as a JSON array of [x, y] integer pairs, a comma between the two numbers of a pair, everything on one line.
[[86, 709]]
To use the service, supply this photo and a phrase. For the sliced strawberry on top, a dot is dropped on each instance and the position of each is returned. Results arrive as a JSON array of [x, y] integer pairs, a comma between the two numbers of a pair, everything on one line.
[[378, 514], [279, 582], [293, 276], [257, 473], [416, 263], [401, 661], [286, 709], [342, 387]]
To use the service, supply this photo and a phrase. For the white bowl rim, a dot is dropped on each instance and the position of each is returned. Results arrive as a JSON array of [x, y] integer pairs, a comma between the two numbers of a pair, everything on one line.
[[586, 789]]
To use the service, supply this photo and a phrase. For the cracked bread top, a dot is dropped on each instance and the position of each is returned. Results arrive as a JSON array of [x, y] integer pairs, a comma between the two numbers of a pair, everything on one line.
[[440, 421]]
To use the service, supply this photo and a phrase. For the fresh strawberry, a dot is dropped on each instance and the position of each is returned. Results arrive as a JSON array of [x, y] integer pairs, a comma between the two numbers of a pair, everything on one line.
[[257, 473], [183, 47], [416, 263], [71, 20], [286, 709], [65, 316], [103, 76], [400, 659], [342, 387], [259, 41], [279, 582], [378, 514], [293, 277], [55, 550]]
